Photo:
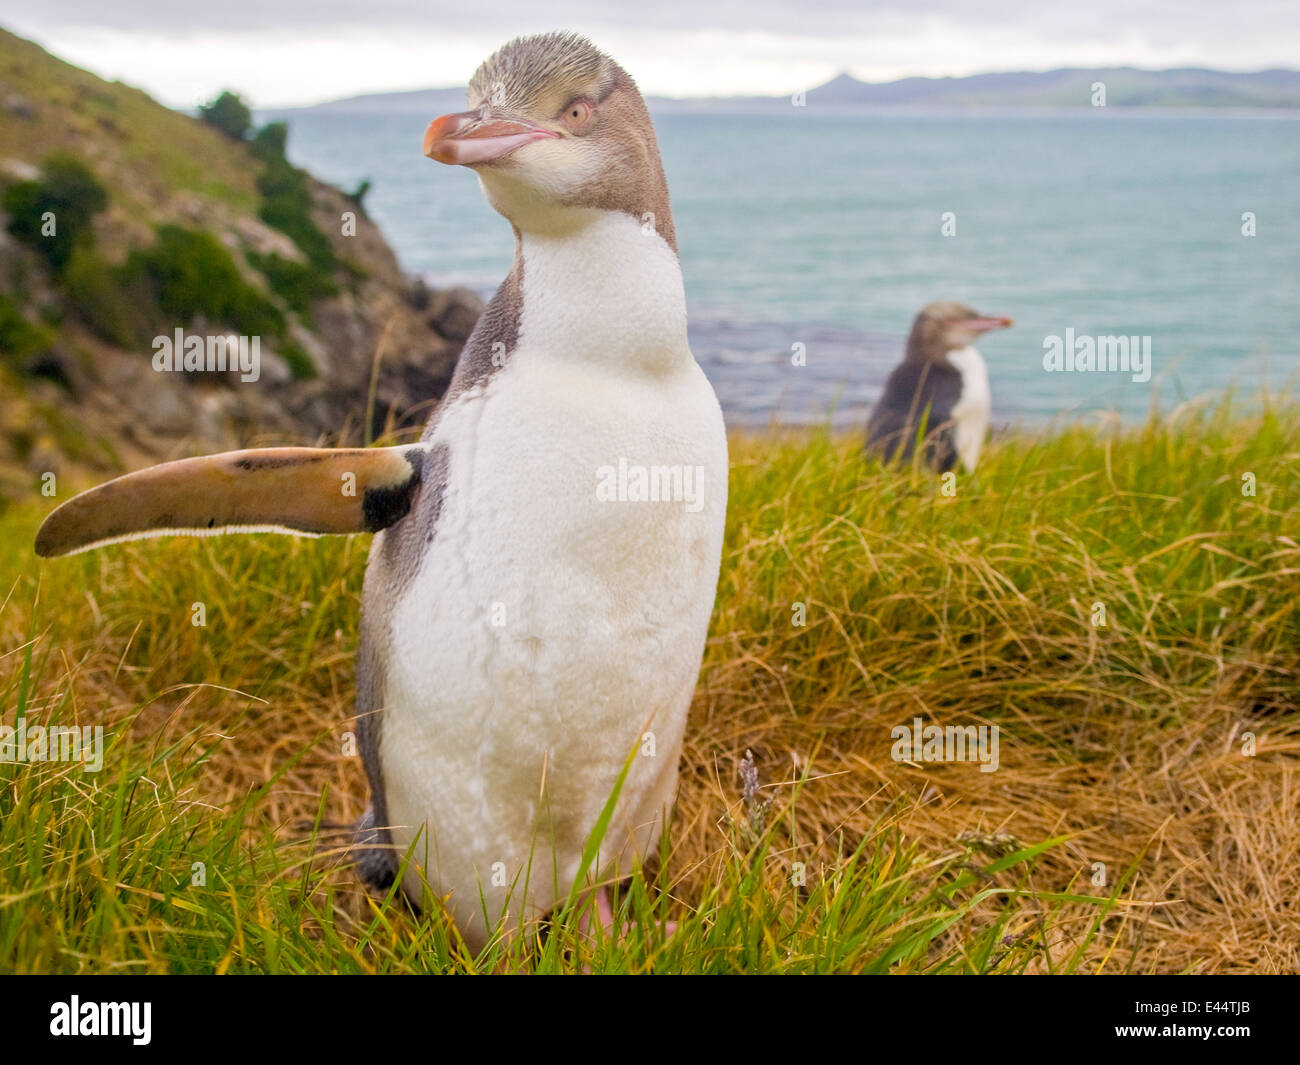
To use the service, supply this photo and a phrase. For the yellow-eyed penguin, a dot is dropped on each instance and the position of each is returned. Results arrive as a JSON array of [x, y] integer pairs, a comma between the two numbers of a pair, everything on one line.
[[943, 384], [539, 589]]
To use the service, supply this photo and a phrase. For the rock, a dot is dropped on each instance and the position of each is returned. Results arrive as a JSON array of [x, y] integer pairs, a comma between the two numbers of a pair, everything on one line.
[[159, 405], [256, 236], [354, 236], [20, 107], [418, 294], [319, 353], [275, 371], [17, 170], [453, 312]]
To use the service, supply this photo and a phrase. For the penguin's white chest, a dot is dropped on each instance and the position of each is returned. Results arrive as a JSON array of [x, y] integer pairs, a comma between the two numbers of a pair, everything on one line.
[[970, 414], [557, 621]]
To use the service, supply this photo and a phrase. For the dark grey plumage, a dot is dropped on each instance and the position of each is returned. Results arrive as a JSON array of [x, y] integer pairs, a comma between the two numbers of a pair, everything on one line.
[[921, 392], [919, 396]]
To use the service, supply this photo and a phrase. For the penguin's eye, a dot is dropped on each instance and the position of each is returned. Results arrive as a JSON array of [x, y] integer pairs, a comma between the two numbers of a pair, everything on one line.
[[576, 115]]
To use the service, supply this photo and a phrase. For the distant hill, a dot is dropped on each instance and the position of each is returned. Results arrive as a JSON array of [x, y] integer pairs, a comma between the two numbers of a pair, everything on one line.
[[1190, 87], [1125, 87], [421, 101]]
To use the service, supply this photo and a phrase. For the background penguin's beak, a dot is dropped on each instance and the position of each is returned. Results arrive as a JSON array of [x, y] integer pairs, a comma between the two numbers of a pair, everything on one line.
[[470, 137], [984, 325]]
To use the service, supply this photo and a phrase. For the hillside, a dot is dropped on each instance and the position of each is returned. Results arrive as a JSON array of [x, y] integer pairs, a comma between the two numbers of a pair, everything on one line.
[[164, 222]]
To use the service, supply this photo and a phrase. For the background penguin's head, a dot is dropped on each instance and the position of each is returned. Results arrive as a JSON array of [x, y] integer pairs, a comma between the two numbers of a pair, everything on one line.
[[554, 124], [944, 326]]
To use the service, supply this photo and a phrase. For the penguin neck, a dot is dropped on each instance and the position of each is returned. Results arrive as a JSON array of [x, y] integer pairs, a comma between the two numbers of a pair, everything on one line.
[[923, 356], [968, 362], [919, 352], [602, 289]]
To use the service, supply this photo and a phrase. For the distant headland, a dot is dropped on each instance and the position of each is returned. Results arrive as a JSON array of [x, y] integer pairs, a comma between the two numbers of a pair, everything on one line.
[[1185, 87]]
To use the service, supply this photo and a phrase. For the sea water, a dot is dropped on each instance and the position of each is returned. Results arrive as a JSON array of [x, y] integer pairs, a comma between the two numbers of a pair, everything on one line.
[[810, 238]]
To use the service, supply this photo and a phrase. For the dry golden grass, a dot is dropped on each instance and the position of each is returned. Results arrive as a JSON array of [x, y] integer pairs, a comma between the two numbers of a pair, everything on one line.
[[1127, 739]]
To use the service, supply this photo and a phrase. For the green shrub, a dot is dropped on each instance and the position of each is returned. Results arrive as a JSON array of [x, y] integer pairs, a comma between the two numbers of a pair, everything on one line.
[[298, 284], [358, 194], [229, 114], [190, 273], [300, 364], [270, 141], [97, 295], [19, 339], [286, 206], [54, 214]]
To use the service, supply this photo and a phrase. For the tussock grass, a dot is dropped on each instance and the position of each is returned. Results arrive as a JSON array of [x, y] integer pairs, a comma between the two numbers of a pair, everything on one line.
[[1120, 745]]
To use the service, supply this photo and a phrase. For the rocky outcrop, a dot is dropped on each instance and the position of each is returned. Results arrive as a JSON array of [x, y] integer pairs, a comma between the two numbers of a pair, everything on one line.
[[379, 349]]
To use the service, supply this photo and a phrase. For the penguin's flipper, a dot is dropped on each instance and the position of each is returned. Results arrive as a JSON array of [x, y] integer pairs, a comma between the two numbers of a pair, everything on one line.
[[308, 491]]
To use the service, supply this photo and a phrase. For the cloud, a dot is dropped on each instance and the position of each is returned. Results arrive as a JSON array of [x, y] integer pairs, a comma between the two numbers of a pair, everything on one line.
[[299, 52]]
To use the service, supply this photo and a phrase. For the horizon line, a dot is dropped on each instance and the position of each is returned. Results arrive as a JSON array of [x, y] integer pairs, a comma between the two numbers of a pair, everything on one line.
[[843, 73]]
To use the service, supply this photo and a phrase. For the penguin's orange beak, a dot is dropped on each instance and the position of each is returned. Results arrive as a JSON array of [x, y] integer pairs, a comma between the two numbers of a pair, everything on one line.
[[469, 137], [984, 324]]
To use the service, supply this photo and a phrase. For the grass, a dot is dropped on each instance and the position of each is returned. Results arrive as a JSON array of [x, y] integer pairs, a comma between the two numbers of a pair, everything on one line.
[[1127, 829], [152, 151]]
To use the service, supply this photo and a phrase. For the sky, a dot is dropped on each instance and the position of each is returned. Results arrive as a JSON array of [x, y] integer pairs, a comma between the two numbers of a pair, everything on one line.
[[288, 52]]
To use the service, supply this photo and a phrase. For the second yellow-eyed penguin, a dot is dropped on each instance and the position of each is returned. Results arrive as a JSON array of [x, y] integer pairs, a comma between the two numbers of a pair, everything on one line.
[[942, 384], [539, 589]]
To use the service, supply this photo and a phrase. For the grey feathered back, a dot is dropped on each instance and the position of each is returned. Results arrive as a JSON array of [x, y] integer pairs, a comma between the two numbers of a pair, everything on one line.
[[916, 392]]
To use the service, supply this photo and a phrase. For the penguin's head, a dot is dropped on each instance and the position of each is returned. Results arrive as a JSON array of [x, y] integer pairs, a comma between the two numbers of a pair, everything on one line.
[[555, 128], [944, 326]]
